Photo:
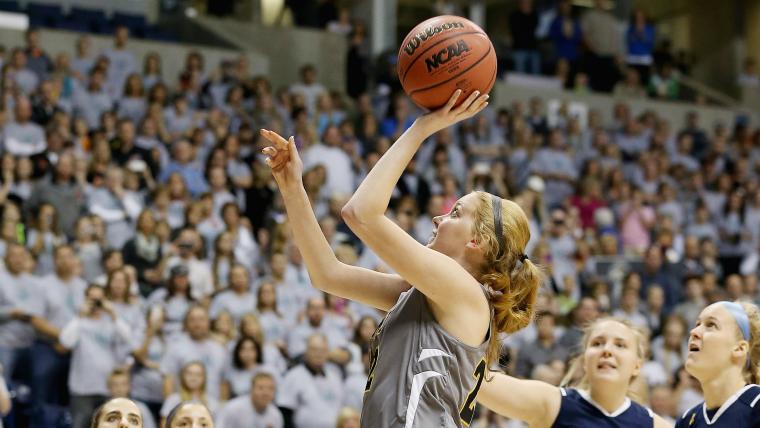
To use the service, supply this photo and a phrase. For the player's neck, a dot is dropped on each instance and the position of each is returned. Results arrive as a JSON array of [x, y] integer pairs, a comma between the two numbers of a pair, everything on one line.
[[720, 388], [609, 399]]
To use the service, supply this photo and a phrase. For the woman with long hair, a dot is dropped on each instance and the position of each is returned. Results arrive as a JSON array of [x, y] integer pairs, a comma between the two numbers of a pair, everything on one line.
[[450, 299], [192, 382], [724, 356], [613, 353]]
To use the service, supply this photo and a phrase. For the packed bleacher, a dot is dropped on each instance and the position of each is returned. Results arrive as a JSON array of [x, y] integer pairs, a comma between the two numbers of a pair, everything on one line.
[[146, 251]]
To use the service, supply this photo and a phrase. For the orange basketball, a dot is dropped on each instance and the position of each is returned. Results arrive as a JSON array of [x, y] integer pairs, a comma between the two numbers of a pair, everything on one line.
[[443, 54]]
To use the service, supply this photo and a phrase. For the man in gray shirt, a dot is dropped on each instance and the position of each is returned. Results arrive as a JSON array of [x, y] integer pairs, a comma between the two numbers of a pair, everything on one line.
[[255, 410], [311, 393], [63, 192], [20, 294], [22, 137], [544, 350], [315, 323], [63, 296]]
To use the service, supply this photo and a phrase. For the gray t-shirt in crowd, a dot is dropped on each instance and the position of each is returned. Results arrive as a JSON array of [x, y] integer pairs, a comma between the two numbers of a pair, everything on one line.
[[240, 413], [240, 379], [63, 299], [183, 350], [24, 139], [235, 304], [97, 346], [18, 292], [300, 334], [314, 399]]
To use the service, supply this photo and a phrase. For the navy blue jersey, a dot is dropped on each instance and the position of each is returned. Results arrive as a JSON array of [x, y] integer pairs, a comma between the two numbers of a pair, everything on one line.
[[578, 410], [741, 410]]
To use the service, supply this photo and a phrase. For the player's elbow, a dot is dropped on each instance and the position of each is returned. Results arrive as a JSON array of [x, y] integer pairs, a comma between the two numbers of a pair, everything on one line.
[[355, 216]]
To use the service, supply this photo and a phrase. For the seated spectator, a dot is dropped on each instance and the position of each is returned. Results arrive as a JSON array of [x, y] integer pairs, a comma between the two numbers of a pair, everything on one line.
[[246, 363], [254, 409], [237, 300], [544, 350], [314, 323], [312, 392], [22, 137]]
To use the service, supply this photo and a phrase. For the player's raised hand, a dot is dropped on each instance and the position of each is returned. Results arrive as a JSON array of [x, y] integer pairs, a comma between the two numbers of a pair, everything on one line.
[[284, 161], [449, 115]]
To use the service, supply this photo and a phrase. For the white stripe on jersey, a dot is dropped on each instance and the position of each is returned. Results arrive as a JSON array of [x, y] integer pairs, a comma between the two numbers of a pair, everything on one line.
[[430, 353], [418, 381]]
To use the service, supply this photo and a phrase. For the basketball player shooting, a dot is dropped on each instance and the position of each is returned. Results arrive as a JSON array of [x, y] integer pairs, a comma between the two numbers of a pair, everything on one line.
[[449, 299]]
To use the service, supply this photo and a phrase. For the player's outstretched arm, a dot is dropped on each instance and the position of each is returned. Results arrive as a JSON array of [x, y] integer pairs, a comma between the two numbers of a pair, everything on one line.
[[327, 273], [441, 279], [531, 401]]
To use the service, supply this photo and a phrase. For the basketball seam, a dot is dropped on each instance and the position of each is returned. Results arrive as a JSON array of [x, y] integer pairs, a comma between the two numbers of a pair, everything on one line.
[[419, 55], [454, 77]]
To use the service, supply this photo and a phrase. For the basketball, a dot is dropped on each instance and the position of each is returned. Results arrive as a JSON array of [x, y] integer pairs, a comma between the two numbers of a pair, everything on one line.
[[443, 54]]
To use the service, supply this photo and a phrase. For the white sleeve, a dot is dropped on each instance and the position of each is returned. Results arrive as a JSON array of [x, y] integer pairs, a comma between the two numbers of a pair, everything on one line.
[[107, 214], [70, 334]]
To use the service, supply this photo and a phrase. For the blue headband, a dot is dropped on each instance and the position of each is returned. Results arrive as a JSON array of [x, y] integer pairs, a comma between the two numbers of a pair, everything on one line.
[[741, 318]]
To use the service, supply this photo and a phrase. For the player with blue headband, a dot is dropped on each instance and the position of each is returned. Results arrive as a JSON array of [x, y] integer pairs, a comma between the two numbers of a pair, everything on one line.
[[724, 356]]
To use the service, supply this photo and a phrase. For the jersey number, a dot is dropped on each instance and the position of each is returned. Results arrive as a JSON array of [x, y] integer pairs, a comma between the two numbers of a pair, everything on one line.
[[468, 409]]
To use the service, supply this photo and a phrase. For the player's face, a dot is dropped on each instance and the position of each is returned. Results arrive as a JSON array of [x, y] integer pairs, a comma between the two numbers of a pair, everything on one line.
[[712, 343], [454, 230], [611, 354], [120, 413], [192, 416]]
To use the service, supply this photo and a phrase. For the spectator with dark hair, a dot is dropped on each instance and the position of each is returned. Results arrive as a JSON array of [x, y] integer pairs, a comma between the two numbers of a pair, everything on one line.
[[545, 349], [37, 59], [640, 37], [658, 271], [566, 33], [522, 24]]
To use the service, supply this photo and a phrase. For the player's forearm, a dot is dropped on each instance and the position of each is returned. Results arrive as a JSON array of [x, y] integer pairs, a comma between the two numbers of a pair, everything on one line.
[[374, 193], [318, 256]]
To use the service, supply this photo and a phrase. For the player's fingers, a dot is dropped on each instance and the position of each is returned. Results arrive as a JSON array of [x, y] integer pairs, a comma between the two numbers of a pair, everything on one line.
[[468, 102], [477, 105], [275, 139], [269, 151], [453, 100]]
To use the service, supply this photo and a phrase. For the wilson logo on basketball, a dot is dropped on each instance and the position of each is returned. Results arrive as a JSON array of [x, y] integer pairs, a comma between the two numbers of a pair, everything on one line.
[[445, 55], [428, 33]]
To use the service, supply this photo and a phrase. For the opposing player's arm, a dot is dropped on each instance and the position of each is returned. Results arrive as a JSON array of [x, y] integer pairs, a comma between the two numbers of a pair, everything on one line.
[[532, 401], [661, 423]]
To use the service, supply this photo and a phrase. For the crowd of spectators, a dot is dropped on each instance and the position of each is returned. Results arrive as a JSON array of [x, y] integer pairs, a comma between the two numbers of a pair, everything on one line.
[[146, 252]]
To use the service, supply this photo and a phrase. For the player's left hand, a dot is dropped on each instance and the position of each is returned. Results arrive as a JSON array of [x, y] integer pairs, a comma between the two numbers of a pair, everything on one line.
[[449, 115]]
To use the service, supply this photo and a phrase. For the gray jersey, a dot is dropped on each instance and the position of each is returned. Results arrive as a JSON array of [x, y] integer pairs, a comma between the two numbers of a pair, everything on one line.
[[420, 376]]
